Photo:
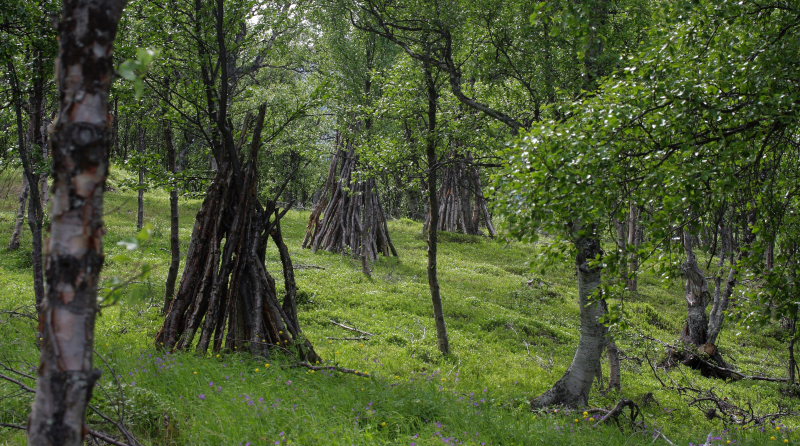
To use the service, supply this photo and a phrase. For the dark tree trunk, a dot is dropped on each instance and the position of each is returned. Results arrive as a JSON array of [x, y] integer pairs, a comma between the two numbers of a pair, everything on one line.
[[572, 390], [80, 145], [35, 214], [433, 216], [174, 218], [140, 197], [792, 340]]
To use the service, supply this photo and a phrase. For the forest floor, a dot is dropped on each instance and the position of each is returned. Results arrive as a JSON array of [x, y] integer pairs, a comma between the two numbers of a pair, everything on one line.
[[513, 322]]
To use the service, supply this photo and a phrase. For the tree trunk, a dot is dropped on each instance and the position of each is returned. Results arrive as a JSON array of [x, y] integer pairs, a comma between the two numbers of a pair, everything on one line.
[[634, 233], [614, 374], [572, 390], [697, 296], [433, 215], [35, 214], [792, 361], [13, 245], [174, 219], [140, 201], [696, 331], [80, 144]]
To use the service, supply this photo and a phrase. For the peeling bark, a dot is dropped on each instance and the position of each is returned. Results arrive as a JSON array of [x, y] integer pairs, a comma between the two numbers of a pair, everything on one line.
[[80, 143]]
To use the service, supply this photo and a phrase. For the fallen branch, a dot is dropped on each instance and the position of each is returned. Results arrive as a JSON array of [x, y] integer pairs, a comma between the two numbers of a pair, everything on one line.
[[346, 327], [718, 371], [614, 413], [658, 434], [359, 338], [332, 368]]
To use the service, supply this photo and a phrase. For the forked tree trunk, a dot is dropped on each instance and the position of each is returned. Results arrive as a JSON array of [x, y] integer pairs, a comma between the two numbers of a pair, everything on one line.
[[696, 332], [433, 216], [697, 296], [80, 144], [572, 390], [227, 299], [13, 244], [461, 203], [349, 215]]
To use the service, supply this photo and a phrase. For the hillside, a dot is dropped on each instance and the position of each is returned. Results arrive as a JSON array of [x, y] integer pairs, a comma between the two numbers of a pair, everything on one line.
[[513, 322]]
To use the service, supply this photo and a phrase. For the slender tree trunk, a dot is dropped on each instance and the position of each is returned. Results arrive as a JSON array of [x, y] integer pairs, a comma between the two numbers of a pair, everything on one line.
[[174, 219], [634, 234], [140, 209], [35, 213], [80, 144], [573, 388], [792, 360], [433, 206], [614, 373], [13, 245]]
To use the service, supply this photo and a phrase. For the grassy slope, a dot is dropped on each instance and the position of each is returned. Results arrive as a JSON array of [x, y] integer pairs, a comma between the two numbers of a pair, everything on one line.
[[510, 341]]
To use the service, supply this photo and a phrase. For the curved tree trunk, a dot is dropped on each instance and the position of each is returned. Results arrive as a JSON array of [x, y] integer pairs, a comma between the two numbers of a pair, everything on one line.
[[80, 144], [572, 390]]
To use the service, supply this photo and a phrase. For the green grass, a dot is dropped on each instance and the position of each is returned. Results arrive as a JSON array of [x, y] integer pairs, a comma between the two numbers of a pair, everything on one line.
[[510, 342]]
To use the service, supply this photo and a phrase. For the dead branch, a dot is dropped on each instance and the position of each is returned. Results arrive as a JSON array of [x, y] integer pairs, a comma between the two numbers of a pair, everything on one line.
[[346, 327], [714, 369], [616, 411], [333, 368], [96, 434], [359, 338]]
